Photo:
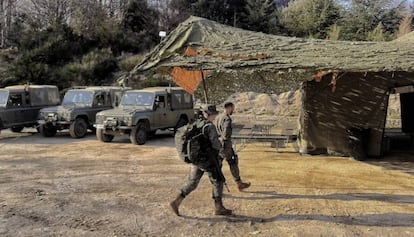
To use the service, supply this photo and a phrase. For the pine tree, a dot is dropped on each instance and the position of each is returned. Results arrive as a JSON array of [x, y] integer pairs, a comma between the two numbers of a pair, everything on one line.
[[259, 15]]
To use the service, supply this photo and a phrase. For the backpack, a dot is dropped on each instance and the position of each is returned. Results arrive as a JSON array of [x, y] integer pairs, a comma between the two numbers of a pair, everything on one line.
[[189, 140]]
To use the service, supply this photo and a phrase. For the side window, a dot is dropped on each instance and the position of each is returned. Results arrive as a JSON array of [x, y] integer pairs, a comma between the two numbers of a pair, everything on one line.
[[15, 100], [160, 101], [188, 98], [100, 99]]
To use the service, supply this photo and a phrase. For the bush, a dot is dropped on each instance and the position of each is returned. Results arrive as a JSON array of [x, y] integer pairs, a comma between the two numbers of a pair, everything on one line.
[[129, 63]]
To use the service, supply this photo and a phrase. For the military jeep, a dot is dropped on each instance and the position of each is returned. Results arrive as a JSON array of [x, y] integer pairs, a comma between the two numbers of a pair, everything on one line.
[[19, 105], [142, 112], [78, 110]]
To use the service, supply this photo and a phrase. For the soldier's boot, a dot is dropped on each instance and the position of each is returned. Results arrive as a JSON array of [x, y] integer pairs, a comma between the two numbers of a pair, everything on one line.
[[176, 204], [241, 186], [220, 210]]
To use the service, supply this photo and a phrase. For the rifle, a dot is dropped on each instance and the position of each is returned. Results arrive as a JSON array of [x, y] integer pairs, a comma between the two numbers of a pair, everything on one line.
[[220, 172]]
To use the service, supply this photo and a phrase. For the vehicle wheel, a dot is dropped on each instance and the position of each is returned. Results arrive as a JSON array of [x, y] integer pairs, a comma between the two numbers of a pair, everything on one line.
[[47, 131], [16, 129], [102, 136], [181, 122], [138, 134], [79, 128]]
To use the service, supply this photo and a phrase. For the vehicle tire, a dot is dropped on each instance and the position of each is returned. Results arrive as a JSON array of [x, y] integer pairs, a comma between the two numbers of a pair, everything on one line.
[[181, 122], [79, 128], [47, 131], [17, 129], [138, 134], [102, 136]]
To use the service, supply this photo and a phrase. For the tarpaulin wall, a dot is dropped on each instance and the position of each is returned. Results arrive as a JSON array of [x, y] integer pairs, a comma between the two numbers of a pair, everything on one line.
[[340, 101]]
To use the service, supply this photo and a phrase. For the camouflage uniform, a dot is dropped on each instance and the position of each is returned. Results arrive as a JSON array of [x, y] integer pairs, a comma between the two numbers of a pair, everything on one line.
[[223, 123], [206, 164]]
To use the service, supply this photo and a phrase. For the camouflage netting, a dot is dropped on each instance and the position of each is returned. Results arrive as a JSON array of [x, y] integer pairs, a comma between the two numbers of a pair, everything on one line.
[[346, 84], [225, 48]]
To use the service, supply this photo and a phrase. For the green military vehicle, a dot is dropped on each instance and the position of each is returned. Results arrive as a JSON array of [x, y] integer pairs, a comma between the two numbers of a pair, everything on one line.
[[78, 110], [142, 112], [20, 105]]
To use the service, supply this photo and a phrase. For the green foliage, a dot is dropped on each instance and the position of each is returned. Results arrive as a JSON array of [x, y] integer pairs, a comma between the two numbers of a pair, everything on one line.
[[377, 34], [139, 27], [94, 68], [306, 18], [128, 63], [88, 47], [260, 15], [363, 17], [45, 52], [334, 32], [223, 11]]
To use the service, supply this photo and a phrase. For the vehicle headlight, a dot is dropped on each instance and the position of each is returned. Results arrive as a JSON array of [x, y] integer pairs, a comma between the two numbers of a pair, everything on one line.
[[67, 116], [52, 116], [128, 120], [99, 119]]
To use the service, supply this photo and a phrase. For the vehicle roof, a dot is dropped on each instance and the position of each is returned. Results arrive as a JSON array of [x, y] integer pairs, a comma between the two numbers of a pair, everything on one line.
[[23, 87], [99, 88], [156, 89]]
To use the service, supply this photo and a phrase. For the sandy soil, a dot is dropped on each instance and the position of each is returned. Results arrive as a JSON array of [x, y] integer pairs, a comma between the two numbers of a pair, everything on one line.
[[66, 187]]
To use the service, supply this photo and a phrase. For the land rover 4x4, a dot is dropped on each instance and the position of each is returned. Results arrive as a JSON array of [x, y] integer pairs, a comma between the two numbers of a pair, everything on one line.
[[78, 110], [20, 105], [142, 112]]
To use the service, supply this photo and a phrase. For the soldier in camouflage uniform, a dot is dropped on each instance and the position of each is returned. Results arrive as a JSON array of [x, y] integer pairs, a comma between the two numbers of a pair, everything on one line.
[[223, 123], [208, 164]]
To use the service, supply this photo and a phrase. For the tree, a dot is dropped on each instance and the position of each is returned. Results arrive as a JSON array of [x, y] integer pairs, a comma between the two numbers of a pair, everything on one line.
[[260, 15], [139, 26], [48, 12], [363, 16], [173, 13], [310, 18], [7, 13], [224, 11]]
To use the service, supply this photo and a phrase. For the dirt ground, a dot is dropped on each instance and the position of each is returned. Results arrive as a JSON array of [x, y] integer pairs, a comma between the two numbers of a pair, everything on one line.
[[67, 187]]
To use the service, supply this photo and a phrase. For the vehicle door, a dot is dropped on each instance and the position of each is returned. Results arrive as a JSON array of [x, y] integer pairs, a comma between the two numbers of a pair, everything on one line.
[[14, 113], [160, 111], [101, 101], [33, 103]]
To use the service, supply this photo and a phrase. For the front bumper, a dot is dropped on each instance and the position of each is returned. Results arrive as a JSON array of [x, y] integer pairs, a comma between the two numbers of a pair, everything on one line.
[[53, 122], [113, 126]]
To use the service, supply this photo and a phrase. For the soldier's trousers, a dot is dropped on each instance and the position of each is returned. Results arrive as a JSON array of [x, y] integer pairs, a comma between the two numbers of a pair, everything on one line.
[[195, 176], [227, 154]]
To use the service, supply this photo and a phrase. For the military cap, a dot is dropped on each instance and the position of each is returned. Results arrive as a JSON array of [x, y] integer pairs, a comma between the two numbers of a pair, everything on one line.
[[209, 109]]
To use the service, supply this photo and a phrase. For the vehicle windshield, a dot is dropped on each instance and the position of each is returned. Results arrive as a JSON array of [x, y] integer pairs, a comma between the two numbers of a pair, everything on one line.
[[137, 99], [78, 98], [3, 98]]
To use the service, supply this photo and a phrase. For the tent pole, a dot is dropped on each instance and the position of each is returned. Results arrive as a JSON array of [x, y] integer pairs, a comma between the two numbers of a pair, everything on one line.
[[204, 86]]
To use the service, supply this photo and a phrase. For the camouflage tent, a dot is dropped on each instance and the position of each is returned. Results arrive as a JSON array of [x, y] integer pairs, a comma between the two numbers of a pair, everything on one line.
[[346, 84], [220, 47]]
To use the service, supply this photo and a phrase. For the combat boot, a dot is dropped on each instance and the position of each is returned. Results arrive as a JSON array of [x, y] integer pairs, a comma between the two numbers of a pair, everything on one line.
[[176, 204], [241, 186], [220, 210]]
